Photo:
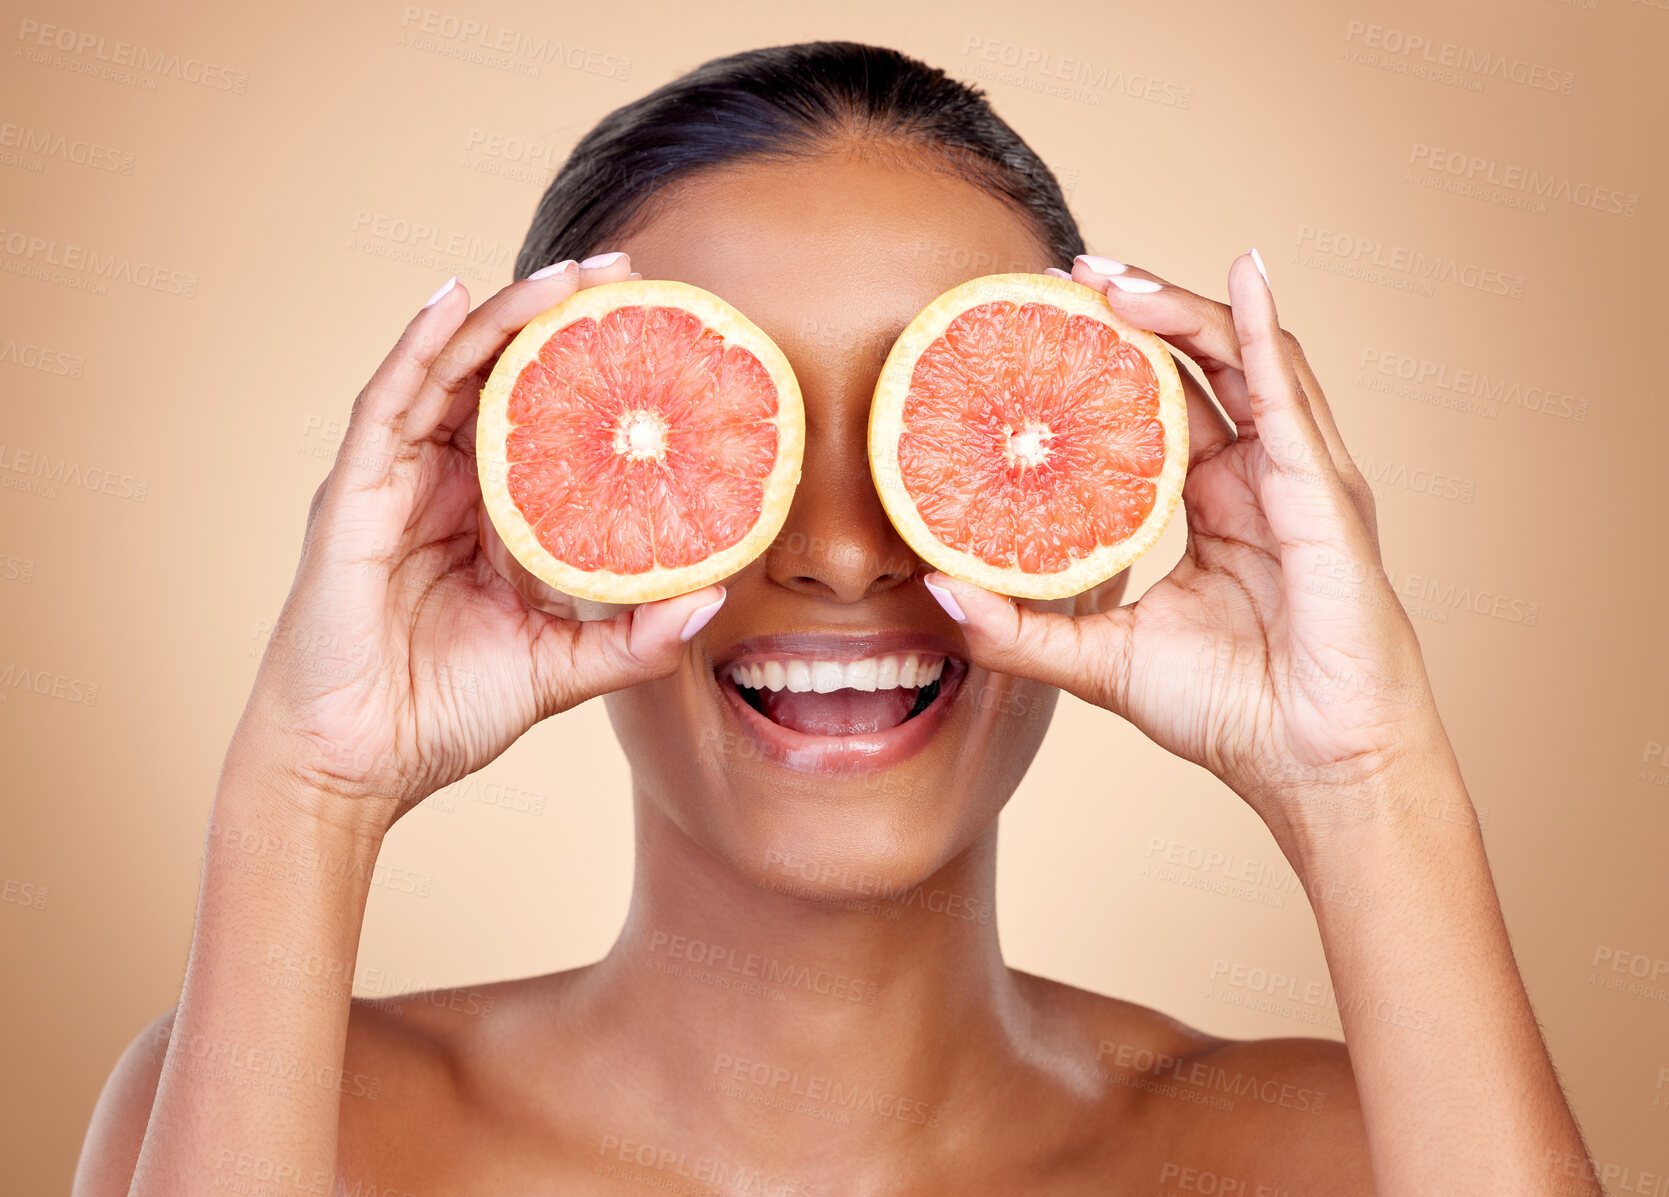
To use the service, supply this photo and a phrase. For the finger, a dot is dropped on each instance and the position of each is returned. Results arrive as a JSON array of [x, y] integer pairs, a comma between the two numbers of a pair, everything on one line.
[[1201, 328], [1303, 498], [347, 521], [1085, 655], [1349, 473], [314, 506], [574, 661], [457, 389], [452, 390], [382, 409], [1209, 430], [534, 591], [1204, 330]]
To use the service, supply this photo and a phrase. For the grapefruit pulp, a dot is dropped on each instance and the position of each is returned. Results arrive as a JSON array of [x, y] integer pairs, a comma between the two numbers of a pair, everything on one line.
[[639, 440], [1025, 438]]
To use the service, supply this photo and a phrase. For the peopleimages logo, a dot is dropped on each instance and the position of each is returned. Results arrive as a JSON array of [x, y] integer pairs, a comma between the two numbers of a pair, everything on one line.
[[34, 255], [38, 39], [467, 39], [34, 472], [1468, 174], [1386, 45], [1178, 1076], [1422, 377], [78, 151], [763, 968], [826, 1091], [1039, 69], [1372, 260]]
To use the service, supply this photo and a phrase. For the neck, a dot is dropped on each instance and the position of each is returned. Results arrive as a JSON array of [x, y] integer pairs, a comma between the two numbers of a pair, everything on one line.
[[862, 1003]]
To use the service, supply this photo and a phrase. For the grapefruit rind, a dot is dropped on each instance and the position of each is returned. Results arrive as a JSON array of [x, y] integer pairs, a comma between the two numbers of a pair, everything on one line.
[[886, 424], [493, 428]]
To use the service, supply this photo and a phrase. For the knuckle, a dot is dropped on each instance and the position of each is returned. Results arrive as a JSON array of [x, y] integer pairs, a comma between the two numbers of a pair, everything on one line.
[[1009, 642], [1221, 324], [1368, 504], [362, 401], [452, 366]]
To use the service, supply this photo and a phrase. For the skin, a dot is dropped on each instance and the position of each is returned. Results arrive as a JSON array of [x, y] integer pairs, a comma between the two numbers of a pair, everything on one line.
[[1314, 709]]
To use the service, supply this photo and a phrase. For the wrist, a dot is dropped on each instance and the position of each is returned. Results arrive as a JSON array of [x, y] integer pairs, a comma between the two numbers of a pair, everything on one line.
[[1418, 800], [263, 809], [271, 765]]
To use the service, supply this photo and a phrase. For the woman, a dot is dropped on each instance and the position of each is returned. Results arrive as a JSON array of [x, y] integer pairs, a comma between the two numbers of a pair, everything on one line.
[[753, 1028]]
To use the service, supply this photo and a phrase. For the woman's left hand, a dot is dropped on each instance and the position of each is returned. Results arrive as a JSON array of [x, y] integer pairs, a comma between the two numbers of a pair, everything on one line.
[[1276, 653]]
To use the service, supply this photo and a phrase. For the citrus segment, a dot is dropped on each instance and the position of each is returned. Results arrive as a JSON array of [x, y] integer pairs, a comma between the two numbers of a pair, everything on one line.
[[639, 440], [1025, 438]]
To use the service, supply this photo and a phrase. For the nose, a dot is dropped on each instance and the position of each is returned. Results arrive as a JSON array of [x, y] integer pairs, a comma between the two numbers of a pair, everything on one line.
[[837, 543]]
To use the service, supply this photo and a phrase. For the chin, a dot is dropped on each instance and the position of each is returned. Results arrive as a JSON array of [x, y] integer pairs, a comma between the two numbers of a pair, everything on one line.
[[831, 767]]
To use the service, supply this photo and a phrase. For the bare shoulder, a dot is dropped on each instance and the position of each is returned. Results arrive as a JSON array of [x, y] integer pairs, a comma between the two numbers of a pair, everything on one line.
[[428, 1080], [116, 1131], [1211, 1111], [452, 1031], [414, 1083]]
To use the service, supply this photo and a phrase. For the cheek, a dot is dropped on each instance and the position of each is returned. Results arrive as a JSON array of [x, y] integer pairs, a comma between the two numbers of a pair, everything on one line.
[[697, 772], [657, 727], [1010, 716]]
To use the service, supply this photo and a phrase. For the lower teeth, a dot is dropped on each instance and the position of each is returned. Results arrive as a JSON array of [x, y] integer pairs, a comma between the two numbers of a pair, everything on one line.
[[924, 699]]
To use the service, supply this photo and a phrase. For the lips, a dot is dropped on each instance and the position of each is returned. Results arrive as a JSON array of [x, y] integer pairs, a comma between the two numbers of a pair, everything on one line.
[[819, 702], [831, 697]]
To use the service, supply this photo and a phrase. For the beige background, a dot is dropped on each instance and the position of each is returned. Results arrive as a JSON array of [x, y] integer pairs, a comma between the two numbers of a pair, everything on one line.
[[187, 432]]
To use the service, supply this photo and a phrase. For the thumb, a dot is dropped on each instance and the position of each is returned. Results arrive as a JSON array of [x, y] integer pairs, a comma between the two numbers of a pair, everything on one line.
[[577, 660], [1085, 655]]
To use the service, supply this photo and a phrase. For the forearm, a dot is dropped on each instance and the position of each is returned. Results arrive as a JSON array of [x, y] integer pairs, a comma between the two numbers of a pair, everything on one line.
[[253, 1074], [1457, 1090]]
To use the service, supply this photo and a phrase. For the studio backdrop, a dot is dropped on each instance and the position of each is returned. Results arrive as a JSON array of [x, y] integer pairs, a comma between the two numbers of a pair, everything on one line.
[[217, 218]]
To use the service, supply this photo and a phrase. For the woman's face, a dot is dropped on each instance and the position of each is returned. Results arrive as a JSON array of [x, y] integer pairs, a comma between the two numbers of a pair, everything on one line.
[[832, 257]]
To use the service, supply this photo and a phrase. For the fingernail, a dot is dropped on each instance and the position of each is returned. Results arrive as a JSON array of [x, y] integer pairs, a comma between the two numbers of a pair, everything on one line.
[[1137, 286], [1101, 265], [444, 288], [601, 260], [554, 268], [702, 616], [947, 600], [1257, 260], [635, 274], [1057, 272]]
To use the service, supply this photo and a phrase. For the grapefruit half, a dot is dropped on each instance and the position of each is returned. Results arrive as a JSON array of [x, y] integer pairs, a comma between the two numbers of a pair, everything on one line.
[[1025, 438], [639, 440]]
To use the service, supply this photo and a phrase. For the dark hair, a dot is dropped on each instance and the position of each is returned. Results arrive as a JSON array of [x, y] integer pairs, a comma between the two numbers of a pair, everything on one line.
[[788, 101]]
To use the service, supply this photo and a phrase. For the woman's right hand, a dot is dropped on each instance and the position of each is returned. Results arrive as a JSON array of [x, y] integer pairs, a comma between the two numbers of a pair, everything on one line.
[[403, 660]]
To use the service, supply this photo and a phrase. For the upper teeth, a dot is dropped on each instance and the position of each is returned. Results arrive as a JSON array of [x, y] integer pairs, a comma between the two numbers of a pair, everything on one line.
[[871, 673]]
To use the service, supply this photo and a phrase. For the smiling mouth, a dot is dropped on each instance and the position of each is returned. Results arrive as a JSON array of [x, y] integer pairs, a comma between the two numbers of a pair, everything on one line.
[[820, 696]]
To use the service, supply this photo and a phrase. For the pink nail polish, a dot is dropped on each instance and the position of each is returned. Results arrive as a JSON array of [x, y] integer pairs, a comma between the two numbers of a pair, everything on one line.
[[1135, 286], [444, 288], [947, 600], [1056, 272], [598, 261], [555, 268], [1257, 260], [1101, 265], [701, 617]]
